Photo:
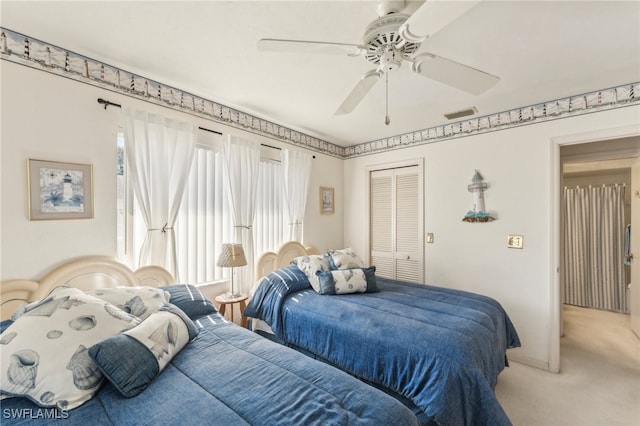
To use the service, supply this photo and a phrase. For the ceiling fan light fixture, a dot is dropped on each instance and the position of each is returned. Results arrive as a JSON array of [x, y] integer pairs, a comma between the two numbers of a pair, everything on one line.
[[395, 37], [390, 60], [462, 113]]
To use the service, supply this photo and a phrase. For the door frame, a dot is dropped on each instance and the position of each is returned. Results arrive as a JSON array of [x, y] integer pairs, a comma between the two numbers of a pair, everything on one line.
[[555, 299]]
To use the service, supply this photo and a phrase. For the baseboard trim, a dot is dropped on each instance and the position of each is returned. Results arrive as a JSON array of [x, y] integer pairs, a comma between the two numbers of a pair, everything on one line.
[[530, 362]]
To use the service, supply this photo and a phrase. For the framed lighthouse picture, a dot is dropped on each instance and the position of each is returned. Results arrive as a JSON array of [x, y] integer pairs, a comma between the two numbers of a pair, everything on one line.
[[59, 190]]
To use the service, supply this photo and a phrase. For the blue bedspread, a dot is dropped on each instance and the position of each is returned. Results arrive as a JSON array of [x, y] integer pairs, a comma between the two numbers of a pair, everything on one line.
[[442, 349], [230, 376]]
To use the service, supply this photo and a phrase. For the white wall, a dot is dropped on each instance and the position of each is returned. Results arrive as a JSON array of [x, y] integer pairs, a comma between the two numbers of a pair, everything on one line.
[[518, 166], [48, 117]]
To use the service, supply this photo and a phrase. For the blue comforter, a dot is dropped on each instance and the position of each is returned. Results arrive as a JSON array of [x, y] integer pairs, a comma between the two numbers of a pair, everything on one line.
[[230, 376], [441, 348]]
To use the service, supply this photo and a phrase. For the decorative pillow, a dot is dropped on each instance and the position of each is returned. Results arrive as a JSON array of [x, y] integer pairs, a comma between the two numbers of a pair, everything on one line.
[[139, 301], [190, 300], [272, 290], [44, 354], [343, 281], [132, 360], [312, 264], [345, 259]]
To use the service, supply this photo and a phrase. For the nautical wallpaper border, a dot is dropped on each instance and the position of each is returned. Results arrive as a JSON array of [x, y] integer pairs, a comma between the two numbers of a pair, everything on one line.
[[25, 50]]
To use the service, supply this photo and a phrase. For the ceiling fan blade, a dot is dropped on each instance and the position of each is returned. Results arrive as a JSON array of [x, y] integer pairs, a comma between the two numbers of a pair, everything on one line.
[[304, 46], [431, 17], [361, 89], [453, 73]]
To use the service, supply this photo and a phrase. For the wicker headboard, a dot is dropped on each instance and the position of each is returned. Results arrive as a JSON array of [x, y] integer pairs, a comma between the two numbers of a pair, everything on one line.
[[85, 273]]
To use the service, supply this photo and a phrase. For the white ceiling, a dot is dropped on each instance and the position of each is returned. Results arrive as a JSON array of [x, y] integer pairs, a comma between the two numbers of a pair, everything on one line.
[[541, 50]]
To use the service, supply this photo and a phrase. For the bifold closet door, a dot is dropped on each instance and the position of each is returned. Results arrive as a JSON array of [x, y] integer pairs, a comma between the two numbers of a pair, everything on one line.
[[396, 223]]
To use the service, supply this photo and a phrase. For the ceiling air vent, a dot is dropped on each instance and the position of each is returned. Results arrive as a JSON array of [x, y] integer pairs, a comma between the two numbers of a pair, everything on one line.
[[461, 113]]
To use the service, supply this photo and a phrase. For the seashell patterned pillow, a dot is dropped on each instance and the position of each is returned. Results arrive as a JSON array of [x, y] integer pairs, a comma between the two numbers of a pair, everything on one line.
[[139, 301], [311, 265], [345, 281], [133, 359], [44, 355], [345, 259]]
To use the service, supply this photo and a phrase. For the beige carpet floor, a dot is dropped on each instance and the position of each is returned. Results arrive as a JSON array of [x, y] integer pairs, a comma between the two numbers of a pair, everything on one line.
[[599, 381]]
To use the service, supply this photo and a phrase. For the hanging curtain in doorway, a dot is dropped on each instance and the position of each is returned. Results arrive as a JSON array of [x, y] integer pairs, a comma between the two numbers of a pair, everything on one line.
[[594, 228], [159, 155]]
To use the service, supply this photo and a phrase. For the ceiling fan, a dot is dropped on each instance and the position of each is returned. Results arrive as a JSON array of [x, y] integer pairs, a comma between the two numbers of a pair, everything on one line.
[[395, 37]]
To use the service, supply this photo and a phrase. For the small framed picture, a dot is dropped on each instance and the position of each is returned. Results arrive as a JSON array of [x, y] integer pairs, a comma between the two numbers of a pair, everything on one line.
[[327, 202], [59, 190]]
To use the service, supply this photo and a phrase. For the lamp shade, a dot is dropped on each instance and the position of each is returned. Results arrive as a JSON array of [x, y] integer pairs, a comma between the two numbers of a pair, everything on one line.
[[231, 256]]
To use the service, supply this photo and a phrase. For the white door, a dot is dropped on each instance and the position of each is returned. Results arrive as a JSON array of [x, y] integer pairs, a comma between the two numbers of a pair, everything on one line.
[[396, 223], [634, 292]]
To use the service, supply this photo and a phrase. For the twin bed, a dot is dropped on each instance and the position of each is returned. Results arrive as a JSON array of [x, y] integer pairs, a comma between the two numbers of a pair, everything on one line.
[[419, 354], [438, 350], [224, 375]]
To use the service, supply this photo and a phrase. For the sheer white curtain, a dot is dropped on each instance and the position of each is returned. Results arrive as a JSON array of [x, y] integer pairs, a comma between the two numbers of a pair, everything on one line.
[[204, 222], [159, 153], [297, 174], [242, 162], [594, 229], [270, 228]]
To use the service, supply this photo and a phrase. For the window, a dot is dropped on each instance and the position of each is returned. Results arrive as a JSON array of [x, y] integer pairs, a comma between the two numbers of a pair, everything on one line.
[[204, 221]]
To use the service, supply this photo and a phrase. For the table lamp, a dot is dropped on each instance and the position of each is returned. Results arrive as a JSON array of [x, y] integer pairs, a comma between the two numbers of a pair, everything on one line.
[[232, 256]]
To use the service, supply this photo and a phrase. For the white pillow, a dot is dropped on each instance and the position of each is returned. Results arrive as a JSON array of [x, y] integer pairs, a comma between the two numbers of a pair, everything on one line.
[[43, 354], [311, 265], [345, 259], [139, 301]]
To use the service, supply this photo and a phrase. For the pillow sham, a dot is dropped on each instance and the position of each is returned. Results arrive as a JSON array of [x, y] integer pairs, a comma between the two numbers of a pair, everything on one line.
[[133, 359], [44, 354], [190, 300], [344, 281], [311, 265], [140, 301], [345, 259]]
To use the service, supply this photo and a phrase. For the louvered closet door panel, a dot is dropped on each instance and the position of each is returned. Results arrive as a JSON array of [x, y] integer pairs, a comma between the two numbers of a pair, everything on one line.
[[409, 270], [408, 224], [381, 216]]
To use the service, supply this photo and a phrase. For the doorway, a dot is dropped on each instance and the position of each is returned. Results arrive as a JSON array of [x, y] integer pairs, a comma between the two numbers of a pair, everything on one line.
[[609, 158], [596, 216]]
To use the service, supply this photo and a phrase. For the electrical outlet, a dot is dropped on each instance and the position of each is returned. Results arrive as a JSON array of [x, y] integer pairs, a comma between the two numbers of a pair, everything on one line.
[[515, 241]]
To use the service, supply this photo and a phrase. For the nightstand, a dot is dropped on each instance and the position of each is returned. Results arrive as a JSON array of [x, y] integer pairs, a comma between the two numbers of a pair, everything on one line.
[[224, 301]]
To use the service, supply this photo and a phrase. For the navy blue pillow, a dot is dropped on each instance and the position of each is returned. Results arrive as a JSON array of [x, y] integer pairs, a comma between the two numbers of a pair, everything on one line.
[[133, 359], [190, 300]]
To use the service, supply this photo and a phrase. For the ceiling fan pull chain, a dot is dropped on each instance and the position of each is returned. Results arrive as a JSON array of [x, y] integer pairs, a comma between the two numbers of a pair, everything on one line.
[[386, 81]]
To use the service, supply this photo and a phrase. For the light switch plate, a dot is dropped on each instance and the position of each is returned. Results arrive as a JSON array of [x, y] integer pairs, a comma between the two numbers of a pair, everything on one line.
[[515, 241], [430, 238]]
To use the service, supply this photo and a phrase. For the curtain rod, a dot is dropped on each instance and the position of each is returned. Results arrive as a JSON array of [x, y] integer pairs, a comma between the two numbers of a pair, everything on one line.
[[107, 103], [604, 185], [273, 147]]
